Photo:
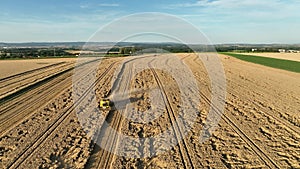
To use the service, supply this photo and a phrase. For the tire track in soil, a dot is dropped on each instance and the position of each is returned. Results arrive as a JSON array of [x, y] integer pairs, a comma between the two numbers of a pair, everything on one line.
[[103, 158], [71, 144], [291, 125], [135, 129], [295, 127], [205, 155], [142, 149], [141, 131], [267, 124], [266, 110], [17, 114], [15, 111], [30, 87], [28, 72], [18, 138], [115, 120], [13, 85], [270, 163], [269, 129], [28, 151], [259, 151], [27, 75], [183, 146]]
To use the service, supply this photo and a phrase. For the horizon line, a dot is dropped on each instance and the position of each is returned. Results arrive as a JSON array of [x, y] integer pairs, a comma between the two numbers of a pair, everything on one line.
[[225, 43]]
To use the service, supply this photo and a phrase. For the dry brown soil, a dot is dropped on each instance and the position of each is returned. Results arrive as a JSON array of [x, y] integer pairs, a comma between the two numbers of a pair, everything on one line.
[[12, 67], [45, 127]]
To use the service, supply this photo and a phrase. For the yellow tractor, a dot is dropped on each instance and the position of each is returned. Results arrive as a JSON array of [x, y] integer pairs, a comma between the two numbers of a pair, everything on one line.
[[105, 104]]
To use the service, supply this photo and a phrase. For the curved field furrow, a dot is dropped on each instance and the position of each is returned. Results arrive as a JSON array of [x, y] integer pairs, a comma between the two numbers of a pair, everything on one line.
[[12, 112], [270, 112], [259, 151], [50, 130], [228, 119], [12, 77], [184, 150], [257, 121], [19, 82], [103, 158]]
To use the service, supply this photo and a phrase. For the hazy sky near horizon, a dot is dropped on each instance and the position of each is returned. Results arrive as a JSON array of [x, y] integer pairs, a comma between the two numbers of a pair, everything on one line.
[[222, 21]]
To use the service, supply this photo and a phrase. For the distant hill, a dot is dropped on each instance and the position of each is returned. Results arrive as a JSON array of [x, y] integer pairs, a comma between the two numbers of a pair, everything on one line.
[[172, 47]]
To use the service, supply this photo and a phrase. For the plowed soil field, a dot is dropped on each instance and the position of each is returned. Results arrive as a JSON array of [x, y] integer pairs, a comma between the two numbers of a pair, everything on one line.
[[48, 122]]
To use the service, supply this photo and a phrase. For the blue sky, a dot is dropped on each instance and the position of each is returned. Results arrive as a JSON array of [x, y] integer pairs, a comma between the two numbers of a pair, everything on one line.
[[222, 21]]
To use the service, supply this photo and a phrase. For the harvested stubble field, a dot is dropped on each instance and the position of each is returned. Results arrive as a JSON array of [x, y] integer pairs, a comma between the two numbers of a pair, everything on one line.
[[42, 127], [12, 67]]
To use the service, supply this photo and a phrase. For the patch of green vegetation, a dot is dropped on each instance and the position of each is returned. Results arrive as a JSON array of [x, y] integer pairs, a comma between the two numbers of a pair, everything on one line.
[[289, 65]]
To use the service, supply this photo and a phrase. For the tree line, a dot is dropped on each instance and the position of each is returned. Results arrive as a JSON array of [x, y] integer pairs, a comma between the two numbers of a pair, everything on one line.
[[32, 52]]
